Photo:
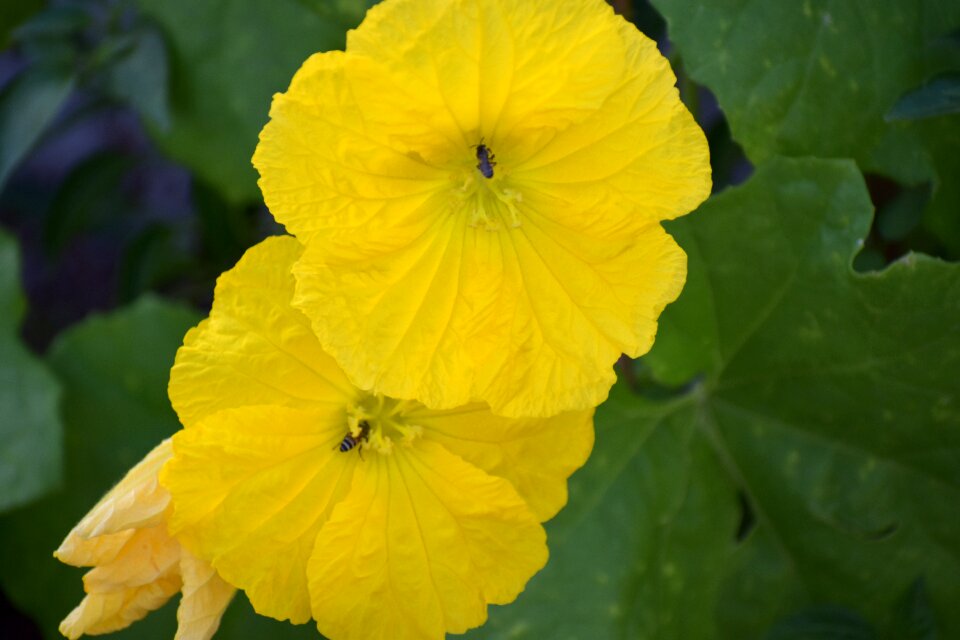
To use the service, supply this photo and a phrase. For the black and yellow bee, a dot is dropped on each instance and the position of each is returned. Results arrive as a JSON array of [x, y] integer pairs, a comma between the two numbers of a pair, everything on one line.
[[349, 442], [485, 163]]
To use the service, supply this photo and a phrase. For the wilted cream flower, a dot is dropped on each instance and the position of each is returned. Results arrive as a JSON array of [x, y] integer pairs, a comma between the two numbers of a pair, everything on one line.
[[137, 565]]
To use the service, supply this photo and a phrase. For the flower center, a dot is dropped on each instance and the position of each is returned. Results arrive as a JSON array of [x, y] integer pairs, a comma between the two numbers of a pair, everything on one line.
[[484, 190], [377, 422], [491, 206]]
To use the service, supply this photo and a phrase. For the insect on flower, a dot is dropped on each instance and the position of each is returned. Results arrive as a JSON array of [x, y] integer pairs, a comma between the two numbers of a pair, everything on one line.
[[349, 442], [288, 513], [568, 248], [485, 159]]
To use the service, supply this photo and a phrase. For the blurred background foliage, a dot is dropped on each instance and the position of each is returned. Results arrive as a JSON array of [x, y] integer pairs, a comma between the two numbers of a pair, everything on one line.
[[785, 464]]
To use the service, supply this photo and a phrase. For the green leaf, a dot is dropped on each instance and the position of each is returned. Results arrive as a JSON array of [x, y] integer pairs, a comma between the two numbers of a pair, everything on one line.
[[55, 23], [775, 67], [638, 551], [778, 68], [831, 396], [826, 398], [30, 433], [57, 36], [141, 77], [941, 216], [915, 618], [152, 260], [14, 13], [224, 228], [230, 57], [347, 12], [28, 104], [938, 97], [823, 623]]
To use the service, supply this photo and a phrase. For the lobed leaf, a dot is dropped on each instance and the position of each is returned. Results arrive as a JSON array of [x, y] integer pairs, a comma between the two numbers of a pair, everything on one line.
[[824, 398], [819, 77]]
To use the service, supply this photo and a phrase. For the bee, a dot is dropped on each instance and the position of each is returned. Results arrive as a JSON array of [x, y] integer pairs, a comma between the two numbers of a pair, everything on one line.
[[485, 157], [349, 442]]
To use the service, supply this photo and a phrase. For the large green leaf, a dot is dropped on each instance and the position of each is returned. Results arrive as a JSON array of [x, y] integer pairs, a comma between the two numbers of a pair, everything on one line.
[[30, 448], [229, 58], [826, 399], [829, 395], [640, 548], [818, 77], [777, 67]]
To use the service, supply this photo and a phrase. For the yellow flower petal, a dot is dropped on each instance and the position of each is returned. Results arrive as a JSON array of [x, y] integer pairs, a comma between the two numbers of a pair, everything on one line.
[[514, 274], [137, 565], [418, 289], [205, 598], [254, 348], [420, 547], [506, 70], [464, 309], [594, 301], [257, 489], [360, 177], [641, 157], [252, 486], [535, 455]]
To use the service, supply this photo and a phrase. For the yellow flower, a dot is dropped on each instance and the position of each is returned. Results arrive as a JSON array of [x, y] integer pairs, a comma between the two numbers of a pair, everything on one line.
[[377, 517], [137, 565], [479, 185]]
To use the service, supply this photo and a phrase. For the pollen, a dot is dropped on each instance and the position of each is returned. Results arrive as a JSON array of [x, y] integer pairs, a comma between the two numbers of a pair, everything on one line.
[[378, 422], [489, 203]]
